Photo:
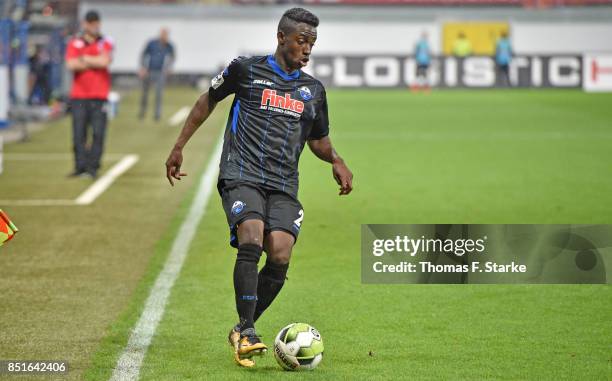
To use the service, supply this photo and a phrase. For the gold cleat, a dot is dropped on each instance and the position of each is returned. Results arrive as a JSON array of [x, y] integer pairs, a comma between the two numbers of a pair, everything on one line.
[[249, 346], [234, 339]]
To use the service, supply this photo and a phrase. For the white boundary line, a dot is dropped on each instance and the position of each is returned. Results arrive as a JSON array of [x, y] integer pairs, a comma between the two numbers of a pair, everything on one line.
[[91, 193], [46, 156], [35, 202], [98, 187], [179, 116], [129, 363]]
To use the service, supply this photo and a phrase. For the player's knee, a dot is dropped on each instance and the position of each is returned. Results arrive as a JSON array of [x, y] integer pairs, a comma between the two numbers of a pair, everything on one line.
[[279, 250], [248, 252], [281, 257], [277, 272], [251, 232], [249, 239]]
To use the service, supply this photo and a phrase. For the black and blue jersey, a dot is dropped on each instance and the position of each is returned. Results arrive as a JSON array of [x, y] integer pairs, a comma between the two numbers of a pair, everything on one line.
[[272, 116]]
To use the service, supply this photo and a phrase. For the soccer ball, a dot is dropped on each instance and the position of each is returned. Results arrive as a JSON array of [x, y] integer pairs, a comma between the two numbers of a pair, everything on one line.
[[298, 346]]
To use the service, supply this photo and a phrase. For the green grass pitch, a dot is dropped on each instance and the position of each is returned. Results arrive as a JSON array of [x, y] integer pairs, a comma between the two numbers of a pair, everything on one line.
[[448, 157]]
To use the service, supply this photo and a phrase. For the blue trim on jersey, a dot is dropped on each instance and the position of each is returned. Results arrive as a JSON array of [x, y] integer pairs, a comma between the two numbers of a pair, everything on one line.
[[235, 113], [235, 116], [247, 115], [284, 75], [233, 237]]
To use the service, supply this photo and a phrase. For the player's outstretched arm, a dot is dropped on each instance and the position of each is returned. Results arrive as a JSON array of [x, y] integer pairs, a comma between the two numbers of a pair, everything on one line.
[[200, 111], [324, 150]]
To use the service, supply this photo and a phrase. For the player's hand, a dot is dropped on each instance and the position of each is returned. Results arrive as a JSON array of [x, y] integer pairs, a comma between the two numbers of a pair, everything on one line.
[[83, 62], [142, 73], [173, 165], [343, 176]]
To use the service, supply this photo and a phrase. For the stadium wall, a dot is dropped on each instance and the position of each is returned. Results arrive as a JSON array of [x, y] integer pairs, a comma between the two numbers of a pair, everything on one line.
[[206, 38]]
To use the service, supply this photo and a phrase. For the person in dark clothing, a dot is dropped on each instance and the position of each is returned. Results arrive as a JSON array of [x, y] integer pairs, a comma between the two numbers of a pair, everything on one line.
[[277, 110], [155, 63], [40, 70], [89, 56]]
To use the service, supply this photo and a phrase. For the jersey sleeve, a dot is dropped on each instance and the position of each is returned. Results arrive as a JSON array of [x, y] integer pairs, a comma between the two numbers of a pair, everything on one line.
[[226, 82], [108, 46], [320, 126], [73, 49]]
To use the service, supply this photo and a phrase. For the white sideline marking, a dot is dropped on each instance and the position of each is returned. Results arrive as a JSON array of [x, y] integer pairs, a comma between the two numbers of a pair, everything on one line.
[[34, 156], [179, 116], [89, 195], [35, 202], [128, 365], [98, 187]]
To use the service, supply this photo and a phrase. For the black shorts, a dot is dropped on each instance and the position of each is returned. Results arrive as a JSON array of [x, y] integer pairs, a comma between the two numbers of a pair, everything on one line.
[[504, 68], [246, 201], [421, 70]]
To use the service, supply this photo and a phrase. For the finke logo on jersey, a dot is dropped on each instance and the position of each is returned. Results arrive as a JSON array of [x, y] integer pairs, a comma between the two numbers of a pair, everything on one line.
[[271, 99]]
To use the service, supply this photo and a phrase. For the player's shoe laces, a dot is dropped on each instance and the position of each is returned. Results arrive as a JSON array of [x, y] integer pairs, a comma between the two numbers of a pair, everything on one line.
[[250, 344]]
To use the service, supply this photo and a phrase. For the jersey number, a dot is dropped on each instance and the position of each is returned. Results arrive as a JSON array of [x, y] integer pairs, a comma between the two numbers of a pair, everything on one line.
[[298, 221]]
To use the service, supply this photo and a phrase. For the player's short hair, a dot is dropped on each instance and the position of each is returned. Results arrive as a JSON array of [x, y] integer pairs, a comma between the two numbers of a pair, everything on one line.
[[92, 16], [294, 16]]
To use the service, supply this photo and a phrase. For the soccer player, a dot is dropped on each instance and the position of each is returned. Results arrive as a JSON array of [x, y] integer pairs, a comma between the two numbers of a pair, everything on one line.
[[277, 108], [422, 55], [89, 55], [503, 56]]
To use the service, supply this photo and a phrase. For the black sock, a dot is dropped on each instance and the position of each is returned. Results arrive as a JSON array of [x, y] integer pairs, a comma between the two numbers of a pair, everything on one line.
[[245, 283], [271, 280]]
